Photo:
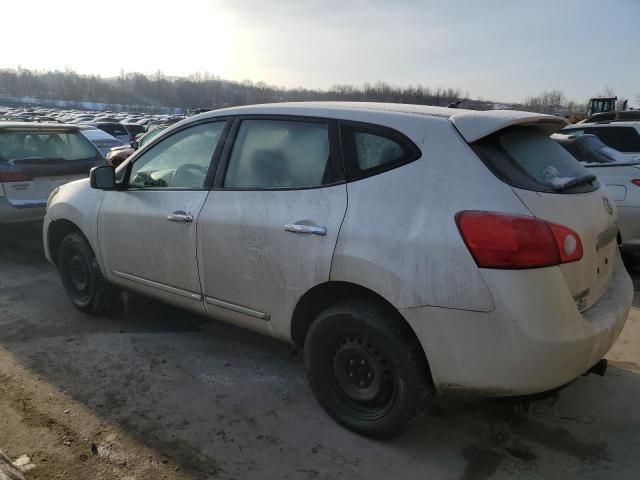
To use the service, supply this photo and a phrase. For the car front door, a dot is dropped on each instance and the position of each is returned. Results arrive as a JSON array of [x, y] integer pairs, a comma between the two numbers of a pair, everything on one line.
[[147, 229], [269, 227]]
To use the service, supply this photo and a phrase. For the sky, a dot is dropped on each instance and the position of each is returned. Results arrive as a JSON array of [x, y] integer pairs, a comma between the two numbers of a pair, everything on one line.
[[504, 50]]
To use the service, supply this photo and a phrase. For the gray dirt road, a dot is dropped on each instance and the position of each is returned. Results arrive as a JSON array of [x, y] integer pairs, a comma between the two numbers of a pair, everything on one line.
[[158, 393]]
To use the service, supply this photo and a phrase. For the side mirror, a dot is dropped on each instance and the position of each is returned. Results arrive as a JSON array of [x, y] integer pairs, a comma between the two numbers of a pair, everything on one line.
[[134, 144], [102, 177]]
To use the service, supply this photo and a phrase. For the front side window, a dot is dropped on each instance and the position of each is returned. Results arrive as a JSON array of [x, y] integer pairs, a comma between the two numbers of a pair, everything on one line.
[[369, 150], [180, 161], [271, 154]]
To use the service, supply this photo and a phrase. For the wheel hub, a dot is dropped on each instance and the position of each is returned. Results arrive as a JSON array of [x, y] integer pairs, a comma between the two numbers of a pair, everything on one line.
[[78, 273], [359, 372]]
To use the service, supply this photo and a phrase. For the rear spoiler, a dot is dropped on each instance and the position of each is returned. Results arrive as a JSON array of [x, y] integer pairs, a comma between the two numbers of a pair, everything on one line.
[[474, 125]]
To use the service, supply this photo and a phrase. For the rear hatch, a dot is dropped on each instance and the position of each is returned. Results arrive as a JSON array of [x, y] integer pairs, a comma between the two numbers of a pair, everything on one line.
[[34, 161], [556, 188]]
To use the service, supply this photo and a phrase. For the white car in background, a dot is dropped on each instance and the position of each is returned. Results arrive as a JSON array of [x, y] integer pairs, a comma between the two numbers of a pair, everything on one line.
[[407, 249], [101, 139], [619, 172], [623, 136]]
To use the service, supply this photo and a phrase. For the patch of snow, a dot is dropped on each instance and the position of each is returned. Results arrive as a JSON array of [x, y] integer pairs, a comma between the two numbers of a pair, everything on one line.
[[559, 182]]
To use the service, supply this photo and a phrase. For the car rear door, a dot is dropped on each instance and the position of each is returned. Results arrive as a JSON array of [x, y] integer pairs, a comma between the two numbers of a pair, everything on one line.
[[147, 229], [268, 230]]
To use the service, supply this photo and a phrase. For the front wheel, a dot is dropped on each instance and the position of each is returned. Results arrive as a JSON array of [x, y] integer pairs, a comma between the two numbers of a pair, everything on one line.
[[367, 369], [86, 287]]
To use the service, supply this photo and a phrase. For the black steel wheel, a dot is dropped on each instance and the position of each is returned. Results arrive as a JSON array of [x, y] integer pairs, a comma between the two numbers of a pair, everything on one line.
[[86, 287], [367, 368]]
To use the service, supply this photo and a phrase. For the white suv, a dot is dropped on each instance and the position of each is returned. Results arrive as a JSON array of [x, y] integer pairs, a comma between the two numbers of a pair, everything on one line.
[[408, 249], [624, 136]]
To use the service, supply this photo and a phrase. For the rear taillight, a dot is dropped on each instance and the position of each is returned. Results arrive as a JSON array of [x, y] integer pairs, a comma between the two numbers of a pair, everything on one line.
[[636, 182], [14, 177], [498, 240]]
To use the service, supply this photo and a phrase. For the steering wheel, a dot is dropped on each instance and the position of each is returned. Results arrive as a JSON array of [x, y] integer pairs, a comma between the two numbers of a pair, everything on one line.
[[189, 175]]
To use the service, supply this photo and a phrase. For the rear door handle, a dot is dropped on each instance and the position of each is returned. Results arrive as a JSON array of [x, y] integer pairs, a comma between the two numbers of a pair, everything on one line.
[[180, 216], [300, 228]]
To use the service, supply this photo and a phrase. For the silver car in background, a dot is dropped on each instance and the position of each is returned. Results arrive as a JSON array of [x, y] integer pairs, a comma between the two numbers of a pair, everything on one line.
[[409, 250], [36, 158]]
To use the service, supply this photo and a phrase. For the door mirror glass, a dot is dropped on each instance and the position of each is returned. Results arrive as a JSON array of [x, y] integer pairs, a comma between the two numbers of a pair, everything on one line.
[[102, 177]]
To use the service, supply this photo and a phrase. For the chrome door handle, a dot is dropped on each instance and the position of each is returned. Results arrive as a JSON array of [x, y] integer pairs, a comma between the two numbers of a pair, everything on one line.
[[180, 216], [299, 228]]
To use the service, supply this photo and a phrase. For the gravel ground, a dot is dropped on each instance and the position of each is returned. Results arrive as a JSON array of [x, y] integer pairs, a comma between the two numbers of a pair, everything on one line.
[[156, 393]]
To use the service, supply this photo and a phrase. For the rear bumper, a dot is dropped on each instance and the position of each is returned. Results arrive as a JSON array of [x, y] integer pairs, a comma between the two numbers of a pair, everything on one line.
[[12, 214], [534, 341]]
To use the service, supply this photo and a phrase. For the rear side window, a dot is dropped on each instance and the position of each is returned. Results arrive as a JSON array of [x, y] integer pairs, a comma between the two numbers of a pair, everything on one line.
[[526, 157], [369, 150], [270, 154], [624, 139]]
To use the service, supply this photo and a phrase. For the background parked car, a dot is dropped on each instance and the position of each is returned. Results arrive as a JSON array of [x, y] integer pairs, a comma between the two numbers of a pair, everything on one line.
[[35, 158], [134, 130], [620, 174], [114, 129], [117, 155], [101, 139], [624, 136]]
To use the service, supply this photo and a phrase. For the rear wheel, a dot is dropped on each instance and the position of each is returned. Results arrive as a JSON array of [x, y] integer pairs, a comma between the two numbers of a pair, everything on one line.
[[367, 369], [86, 287]]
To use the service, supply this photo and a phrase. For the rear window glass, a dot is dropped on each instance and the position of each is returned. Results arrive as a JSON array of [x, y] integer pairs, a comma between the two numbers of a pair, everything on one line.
[[589, 149], [525, 157], [624, 139], [17, 145], [134, 129], [113, 129]]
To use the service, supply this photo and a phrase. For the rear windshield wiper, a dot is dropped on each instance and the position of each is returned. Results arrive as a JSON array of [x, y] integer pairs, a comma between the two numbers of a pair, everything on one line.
[[575, 182]]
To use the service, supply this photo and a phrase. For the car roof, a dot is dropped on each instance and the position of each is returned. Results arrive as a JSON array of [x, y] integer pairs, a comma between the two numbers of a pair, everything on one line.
[[629, 123], [37, 126], [472, 124]]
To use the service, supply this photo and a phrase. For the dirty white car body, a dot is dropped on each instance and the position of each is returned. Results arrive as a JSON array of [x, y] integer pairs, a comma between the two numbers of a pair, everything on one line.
[[264, 258]]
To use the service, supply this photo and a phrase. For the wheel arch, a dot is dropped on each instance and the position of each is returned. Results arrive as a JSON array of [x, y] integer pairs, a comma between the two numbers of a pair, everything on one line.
[[58, 230], [327, 294]]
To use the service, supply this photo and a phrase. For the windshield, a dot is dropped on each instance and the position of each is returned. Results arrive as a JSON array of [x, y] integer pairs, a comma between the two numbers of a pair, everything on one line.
[[525, 157], [23, 145]]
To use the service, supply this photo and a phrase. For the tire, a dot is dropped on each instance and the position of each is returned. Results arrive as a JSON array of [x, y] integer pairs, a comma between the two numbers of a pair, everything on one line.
[[367, 368], [86, 287]]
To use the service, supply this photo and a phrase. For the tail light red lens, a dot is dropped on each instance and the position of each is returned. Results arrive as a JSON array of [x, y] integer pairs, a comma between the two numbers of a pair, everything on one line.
[[498, 240], [636, 182], [14, 177]]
